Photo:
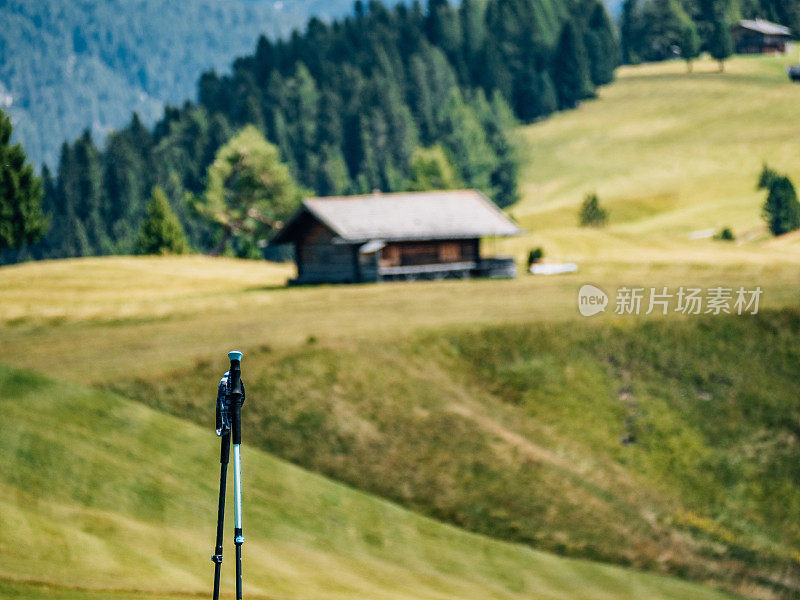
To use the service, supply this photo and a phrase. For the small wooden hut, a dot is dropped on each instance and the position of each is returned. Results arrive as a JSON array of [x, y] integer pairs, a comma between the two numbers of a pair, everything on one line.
[[407, 235], [760, 37]]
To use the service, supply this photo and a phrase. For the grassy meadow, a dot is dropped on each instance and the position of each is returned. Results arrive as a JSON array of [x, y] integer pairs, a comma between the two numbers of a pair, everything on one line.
[[104, 498], [488, 405], [669, 153]]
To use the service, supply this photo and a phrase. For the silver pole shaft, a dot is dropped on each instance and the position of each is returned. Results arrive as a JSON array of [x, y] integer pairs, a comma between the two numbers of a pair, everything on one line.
[[237, 487]]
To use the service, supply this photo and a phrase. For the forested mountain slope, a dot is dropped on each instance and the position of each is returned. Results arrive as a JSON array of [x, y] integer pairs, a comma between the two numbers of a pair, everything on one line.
[[348, 104], [65, 66]]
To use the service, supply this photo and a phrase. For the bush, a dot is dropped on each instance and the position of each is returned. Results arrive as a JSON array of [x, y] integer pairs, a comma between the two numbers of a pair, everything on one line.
[[782, 210], [592, 214], [725, 234], [535, 255]]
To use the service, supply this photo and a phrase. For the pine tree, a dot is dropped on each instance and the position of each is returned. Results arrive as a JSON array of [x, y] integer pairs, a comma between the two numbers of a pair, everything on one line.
[[548, 98], [442, 26], [690, 44], [161, 232], [332, 176], [303, 108], [767, 176], [662, 28], [125, 176], [570, 68], [67, 236], [89, 200], [720, 43], [601, 46], [21, 219], [474, 33], [498, 119], [465, 139], [628, 32], [782, 210]]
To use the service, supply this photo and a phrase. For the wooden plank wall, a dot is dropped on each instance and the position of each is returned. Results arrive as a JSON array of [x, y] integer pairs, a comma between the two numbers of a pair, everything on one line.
[[319, 260], [398, 254]]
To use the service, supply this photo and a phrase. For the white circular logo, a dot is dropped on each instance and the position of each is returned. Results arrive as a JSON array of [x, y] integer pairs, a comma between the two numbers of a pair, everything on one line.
[[591, 300]]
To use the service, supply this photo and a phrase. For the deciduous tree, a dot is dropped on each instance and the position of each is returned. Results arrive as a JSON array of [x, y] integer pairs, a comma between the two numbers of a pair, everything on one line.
[[249, 192]]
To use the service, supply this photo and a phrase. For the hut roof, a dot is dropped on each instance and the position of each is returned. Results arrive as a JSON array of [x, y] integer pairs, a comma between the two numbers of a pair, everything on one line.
[[454, 214], [765, 27]]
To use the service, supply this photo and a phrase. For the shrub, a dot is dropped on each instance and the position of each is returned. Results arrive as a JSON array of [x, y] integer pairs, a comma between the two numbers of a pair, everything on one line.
[[782, 210], [592, 214], [535, 255], [725, 234]]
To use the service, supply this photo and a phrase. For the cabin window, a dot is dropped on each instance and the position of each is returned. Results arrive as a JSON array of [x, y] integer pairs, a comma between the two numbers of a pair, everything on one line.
[[420, 253], [390, 256], [450, 252]]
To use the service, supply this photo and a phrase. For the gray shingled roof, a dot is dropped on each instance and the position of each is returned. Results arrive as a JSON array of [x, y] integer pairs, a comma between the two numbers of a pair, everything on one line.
[[765, 27], [408, 216]]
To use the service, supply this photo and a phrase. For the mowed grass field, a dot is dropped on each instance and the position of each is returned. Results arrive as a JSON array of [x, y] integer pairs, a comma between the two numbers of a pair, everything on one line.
[[669, 153]]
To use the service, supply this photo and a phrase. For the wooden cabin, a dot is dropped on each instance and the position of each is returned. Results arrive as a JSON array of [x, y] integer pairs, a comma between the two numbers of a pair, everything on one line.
[[760, 37], [407, 235]]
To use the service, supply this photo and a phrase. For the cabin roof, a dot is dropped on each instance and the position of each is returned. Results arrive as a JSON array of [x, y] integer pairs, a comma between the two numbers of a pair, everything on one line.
[[455, 214], [765, 27]]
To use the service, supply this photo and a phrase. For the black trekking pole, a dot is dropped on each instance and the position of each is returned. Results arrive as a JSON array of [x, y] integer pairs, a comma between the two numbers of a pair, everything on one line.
[[229, 404], [223, 459]]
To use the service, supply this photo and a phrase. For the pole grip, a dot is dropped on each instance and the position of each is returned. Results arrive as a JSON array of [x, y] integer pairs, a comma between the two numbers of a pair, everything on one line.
[[235, 383]]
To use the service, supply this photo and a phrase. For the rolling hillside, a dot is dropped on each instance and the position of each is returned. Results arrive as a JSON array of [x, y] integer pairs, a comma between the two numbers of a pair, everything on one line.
[[669, 153], [664, 442], [105, 499], [485, 404]]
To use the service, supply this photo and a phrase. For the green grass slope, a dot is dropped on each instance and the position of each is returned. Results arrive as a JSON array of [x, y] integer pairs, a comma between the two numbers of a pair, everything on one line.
[[104, 498], [669, 445], [669, 153]]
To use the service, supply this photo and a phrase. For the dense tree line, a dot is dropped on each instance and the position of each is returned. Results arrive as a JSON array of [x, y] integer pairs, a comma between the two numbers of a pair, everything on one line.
[[652, 30], [350, 106]]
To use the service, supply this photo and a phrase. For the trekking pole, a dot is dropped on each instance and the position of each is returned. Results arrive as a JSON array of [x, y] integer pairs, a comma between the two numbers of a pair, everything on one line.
[[224, 432], [225, 448], [236, 394]]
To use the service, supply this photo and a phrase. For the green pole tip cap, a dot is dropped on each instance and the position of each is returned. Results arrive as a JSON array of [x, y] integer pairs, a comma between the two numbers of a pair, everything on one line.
[[235, 355]]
